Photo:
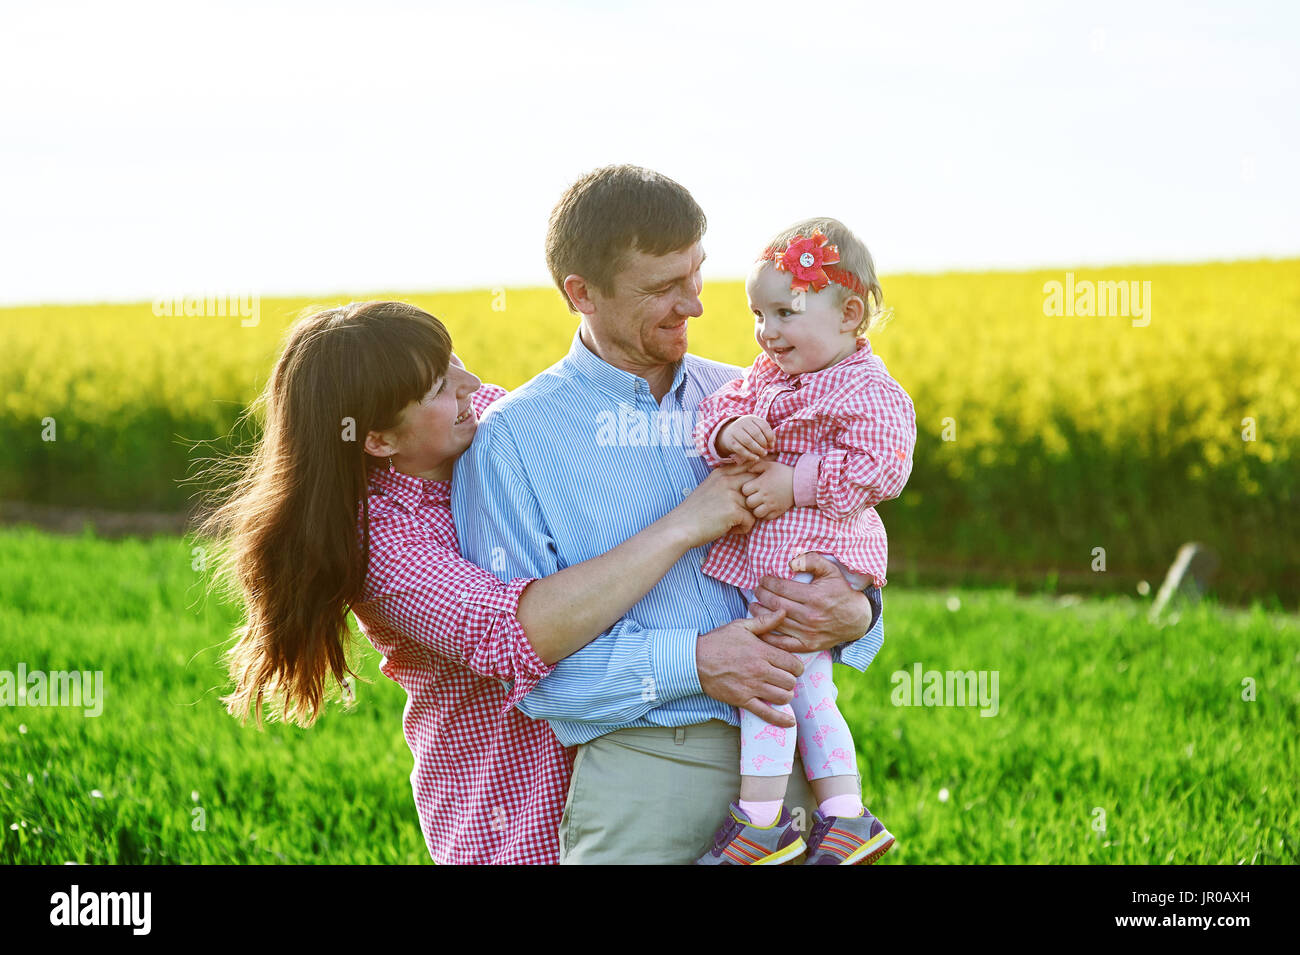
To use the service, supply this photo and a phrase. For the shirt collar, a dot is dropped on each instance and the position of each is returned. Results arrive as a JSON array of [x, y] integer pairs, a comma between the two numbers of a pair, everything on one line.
[[621, 384], [407, 489]]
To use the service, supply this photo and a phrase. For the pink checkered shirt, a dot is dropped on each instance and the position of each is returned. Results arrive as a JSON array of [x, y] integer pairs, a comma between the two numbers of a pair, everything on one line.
[[489, 782], [849, 432]]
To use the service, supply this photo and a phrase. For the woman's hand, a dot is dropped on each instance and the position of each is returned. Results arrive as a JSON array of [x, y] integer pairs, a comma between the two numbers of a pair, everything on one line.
[[716, 507]]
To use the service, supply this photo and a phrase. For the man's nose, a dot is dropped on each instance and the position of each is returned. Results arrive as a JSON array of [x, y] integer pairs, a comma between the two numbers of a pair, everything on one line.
[[690, 305]]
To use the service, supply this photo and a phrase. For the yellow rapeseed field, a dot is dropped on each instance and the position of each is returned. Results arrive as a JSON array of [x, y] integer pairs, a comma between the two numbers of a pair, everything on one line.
[[1029, 403]]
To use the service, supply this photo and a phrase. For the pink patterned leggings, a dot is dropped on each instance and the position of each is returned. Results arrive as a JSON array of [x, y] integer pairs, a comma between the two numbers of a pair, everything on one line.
[[822, 735]]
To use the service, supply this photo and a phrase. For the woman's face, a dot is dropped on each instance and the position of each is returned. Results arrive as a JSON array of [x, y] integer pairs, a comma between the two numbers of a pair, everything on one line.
[[434, 431]]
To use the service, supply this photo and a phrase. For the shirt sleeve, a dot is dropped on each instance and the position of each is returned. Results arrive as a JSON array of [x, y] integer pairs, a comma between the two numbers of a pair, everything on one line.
[[732, 400], [872, 458], [458, 611], [863, 650], [500, 524]]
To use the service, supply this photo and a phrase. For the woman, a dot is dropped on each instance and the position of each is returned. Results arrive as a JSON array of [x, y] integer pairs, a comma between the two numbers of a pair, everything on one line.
[[345, 506]]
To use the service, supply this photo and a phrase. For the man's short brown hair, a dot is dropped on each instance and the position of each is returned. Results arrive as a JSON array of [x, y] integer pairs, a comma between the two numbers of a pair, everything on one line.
[[611, 211]]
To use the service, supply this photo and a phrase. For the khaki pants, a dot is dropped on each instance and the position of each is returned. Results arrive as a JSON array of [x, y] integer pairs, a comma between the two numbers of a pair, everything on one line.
[[656, 796]]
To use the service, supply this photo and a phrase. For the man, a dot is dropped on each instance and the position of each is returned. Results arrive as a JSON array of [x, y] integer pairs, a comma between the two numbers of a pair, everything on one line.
[[579, 459]]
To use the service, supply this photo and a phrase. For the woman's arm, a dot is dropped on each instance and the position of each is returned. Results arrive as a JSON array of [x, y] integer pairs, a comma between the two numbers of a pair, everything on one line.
[[452, 608], [565, 611], [517, 630]]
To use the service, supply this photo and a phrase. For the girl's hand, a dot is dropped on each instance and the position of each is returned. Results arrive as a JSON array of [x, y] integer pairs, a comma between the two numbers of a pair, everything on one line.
[[716, 507], [748, 439], [770, 491]]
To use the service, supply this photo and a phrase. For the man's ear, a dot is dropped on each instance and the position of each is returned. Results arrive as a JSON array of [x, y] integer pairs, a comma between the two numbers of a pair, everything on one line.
[[579, 292], [854, 310]]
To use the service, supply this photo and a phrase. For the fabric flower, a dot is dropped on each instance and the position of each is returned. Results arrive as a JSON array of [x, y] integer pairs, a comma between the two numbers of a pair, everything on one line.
[[804, 259]]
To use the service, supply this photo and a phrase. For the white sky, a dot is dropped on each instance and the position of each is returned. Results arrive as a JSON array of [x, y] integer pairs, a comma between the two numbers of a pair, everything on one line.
[[150, 148]]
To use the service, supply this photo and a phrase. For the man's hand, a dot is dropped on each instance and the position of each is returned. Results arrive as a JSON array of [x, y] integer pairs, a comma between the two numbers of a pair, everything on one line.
[[820, 614], [748, 439], [737, 667], [771, 492]]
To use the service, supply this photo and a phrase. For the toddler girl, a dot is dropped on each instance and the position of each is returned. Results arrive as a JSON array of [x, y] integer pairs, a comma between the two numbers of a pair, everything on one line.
[[829, 434]]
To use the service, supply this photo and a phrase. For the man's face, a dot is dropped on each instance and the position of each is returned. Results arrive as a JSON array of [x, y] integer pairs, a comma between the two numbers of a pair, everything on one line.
[[644, 321]]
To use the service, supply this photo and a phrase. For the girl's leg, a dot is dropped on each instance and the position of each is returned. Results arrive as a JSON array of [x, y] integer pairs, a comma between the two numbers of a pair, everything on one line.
[[825, 743], [831, 766], [766, 758]]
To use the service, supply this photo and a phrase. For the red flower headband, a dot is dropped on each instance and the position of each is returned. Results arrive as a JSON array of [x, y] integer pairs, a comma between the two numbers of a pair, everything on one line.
[[810, 262]]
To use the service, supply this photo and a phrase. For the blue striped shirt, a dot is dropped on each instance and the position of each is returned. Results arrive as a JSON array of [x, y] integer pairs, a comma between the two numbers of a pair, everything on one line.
[[566, 468]]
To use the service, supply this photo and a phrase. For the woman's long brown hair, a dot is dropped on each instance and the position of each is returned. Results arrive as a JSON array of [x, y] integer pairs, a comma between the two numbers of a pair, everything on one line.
[[285, 521]]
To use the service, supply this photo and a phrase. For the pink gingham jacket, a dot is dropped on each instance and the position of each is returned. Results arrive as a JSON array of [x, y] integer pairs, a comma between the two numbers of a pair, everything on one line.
[[489, 782], [849, 432]]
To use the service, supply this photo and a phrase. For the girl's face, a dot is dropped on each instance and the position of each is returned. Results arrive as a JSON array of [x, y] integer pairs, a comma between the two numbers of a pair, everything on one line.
[[434, 431], [807, 338]]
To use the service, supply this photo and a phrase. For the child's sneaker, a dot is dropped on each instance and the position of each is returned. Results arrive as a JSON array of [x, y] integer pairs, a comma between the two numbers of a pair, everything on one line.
[[740, 842], [847, 840]]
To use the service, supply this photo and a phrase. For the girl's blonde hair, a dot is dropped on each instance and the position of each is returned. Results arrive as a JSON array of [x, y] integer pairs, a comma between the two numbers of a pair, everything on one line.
[[854, 258]]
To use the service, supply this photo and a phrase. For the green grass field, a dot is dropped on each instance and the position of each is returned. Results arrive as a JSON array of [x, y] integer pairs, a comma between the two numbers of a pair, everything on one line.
[[1103, 719]]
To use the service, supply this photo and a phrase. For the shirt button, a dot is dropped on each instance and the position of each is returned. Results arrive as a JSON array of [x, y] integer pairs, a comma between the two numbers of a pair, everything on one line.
[[686, 492], [464, 594]]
